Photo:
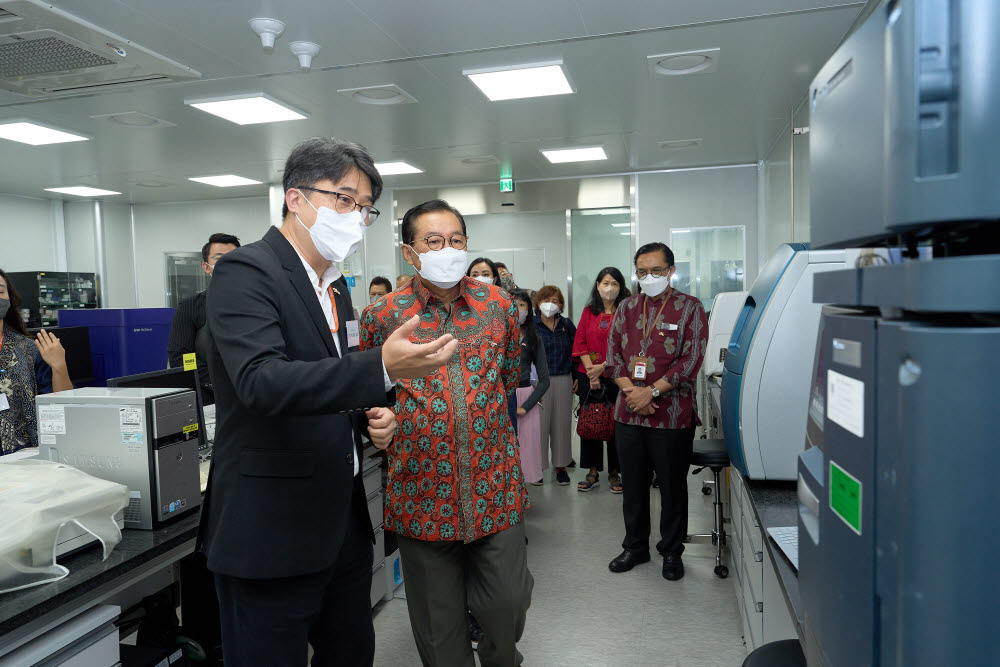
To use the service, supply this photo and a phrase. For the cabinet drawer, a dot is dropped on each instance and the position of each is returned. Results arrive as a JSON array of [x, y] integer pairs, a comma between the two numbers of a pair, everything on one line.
[[372, 479], [379, 549], [378, 583], [752, 536], [753, 569], [375, 509], [754, 621]]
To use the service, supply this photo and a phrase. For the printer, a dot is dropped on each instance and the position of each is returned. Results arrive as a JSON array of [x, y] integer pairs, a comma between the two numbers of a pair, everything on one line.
[[146, 439], [768, 364]]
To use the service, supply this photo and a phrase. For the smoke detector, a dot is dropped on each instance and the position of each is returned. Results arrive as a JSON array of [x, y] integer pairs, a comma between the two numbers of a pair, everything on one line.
[[268, 30], [383, 95], [304, 51], [683, 63]]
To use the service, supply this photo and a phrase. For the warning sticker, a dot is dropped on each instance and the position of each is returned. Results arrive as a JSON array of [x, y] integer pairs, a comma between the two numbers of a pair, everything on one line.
[[47, 439], [190, 428], [130, 420], [52, 419], [845, 402]]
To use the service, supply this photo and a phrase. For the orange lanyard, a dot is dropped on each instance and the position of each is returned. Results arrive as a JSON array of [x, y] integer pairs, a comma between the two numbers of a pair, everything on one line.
[[333, 303], [645, 319]]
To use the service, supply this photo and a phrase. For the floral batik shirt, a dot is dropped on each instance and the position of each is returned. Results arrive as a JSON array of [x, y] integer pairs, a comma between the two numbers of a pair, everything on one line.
[[674, 350], [454, 467]]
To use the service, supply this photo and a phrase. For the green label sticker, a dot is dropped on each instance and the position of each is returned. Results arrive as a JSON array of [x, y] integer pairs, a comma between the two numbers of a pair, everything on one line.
[[845, 496]]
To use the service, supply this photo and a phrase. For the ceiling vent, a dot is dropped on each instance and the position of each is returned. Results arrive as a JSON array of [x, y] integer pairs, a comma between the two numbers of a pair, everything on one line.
[[686, 62], [384, 95], [47, 52], [678, 144], [135, 119]]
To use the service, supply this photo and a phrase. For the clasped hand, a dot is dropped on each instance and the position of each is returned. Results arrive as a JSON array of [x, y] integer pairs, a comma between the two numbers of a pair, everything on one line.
[[640, 400], [381, 426]]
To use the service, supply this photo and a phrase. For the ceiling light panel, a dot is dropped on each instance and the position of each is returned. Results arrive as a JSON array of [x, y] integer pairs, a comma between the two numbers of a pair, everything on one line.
[[583, 154], [521, 81], [248, 109], [224, 181], [396, 168], [27, 132], [82, 191]]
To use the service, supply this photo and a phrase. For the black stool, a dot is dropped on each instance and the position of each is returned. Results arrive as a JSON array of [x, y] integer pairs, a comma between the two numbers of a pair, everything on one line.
[[785, 653], [712, 454]]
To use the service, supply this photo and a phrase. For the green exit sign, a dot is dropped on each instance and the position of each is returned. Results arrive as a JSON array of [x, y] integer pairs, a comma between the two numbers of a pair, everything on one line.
[[506, 185]]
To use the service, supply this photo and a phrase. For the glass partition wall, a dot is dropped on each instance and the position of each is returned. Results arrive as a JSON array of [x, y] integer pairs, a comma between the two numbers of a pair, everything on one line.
[[709, 260]]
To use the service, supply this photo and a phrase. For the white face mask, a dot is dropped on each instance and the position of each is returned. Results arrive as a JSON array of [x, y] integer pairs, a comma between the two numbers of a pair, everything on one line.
[[444, 268], [522, 315], [483, 279], [336, 236], [654, 286], [608, 292], [549, 309]]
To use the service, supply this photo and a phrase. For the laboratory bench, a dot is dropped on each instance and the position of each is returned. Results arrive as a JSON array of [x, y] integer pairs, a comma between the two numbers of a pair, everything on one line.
[[143, 563], [767, 585]]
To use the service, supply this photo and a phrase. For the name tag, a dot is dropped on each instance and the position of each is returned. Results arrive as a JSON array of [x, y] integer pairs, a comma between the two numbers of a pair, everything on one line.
[[4, 405], [639, 368], [668, 327], [353, 334]]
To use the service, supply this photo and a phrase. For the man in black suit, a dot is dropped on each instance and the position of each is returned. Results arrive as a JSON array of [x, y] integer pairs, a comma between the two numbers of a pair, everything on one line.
[[286, 528]]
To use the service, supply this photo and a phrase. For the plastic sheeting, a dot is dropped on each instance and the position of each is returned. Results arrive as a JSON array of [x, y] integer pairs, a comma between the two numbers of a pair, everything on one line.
[[37, 498]]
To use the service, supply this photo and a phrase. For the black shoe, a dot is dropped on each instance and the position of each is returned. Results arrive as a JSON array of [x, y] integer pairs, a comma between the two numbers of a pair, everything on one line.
[[572, 463], [673, 567], [627, 560]]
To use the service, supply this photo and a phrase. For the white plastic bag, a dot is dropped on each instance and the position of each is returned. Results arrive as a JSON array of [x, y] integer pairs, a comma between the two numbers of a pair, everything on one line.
[[37, 498]]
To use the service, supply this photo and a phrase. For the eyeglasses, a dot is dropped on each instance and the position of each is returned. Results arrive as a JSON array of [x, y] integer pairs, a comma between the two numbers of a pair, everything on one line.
[[436, 241], [347, 203], [655, 271]]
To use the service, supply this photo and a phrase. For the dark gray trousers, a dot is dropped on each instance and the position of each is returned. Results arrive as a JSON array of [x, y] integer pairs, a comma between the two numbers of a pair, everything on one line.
[[445, 580]]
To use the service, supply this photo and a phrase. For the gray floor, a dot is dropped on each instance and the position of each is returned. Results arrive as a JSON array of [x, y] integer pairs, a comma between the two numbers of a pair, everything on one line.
[[582, 615]]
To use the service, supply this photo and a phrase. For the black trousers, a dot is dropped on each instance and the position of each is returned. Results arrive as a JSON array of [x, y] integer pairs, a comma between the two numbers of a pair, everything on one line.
[[644, 450], [271, 621]]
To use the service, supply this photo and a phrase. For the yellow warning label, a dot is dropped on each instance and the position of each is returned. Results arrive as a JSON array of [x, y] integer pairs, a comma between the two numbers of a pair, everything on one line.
[[190, 429], [190, 361]]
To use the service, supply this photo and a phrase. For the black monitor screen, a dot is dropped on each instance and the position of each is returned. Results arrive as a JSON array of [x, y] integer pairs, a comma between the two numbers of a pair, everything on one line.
[[76, 342], [171, 378]]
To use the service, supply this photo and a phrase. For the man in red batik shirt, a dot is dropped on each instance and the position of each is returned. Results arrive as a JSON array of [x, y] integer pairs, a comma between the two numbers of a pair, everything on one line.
[[456, 496], [655, 348]]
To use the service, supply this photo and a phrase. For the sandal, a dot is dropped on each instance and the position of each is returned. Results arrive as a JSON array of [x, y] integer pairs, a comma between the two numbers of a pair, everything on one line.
[[593, 479], [615, 482]]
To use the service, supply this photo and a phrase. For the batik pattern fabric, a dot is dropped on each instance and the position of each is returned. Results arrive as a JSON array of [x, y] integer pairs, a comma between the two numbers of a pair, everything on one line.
[[23, 374], [454, 468], [674, 351]]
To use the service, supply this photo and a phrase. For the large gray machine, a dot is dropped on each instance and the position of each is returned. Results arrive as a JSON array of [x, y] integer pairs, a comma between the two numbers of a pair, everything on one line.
[[146, 439], [897, 519]]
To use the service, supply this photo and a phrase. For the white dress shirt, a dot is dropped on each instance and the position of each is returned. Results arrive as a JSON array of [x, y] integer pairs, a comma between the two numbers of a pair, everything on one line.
[[321, 285]]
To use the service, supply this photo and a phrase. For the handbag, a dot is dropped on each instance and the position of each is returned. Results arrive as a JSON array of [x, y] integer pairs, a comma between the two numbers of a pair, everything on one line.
[[594, 418]]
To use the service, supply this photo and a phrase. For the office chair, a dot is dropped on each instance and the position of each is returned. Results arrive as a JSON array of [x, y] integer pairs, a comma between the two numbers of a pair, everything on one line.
[[712, 454]]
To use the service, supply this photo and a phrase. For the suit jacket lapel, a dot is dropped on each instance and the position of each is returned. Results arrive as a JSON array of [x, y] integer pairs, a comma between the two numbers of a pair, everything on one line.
[[345, 311], [292, 264]]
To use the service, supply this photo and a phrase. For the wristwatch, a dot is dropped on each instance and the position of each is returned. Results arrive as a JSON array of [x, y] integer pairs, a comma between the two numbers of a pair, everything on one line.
[[655, 392]]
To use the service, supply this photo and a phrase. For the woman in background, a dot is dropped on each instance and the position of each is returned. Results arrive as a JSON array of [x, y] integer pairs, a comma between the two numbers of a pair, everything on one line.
[[557, 334], [27, 367], [591, 347], [484, 270], [527, 411]]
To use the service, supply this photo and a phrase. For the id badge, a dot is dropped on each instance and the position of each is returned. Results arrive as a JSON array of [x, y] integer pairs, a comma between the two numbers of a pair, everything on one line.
[[639, 368], [4, 405], [353, 334]]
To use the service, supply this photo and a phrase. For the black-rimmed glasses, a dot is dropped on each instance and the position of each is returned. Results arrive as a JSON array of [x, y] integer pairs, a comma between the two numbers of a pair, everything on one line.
[[346, 203]]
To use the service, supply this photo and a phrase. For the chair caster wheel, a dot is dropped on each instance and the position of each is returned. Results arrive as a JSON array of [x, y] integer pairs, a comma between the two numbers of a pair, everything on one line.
[[721, 571], [706, 490]]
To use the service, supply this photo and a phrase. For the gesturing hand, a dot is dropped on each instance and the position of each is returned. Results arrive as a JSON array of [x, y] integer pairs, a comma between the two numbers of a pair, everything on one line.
[[51, 350], [404, 359], [381, 426]]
